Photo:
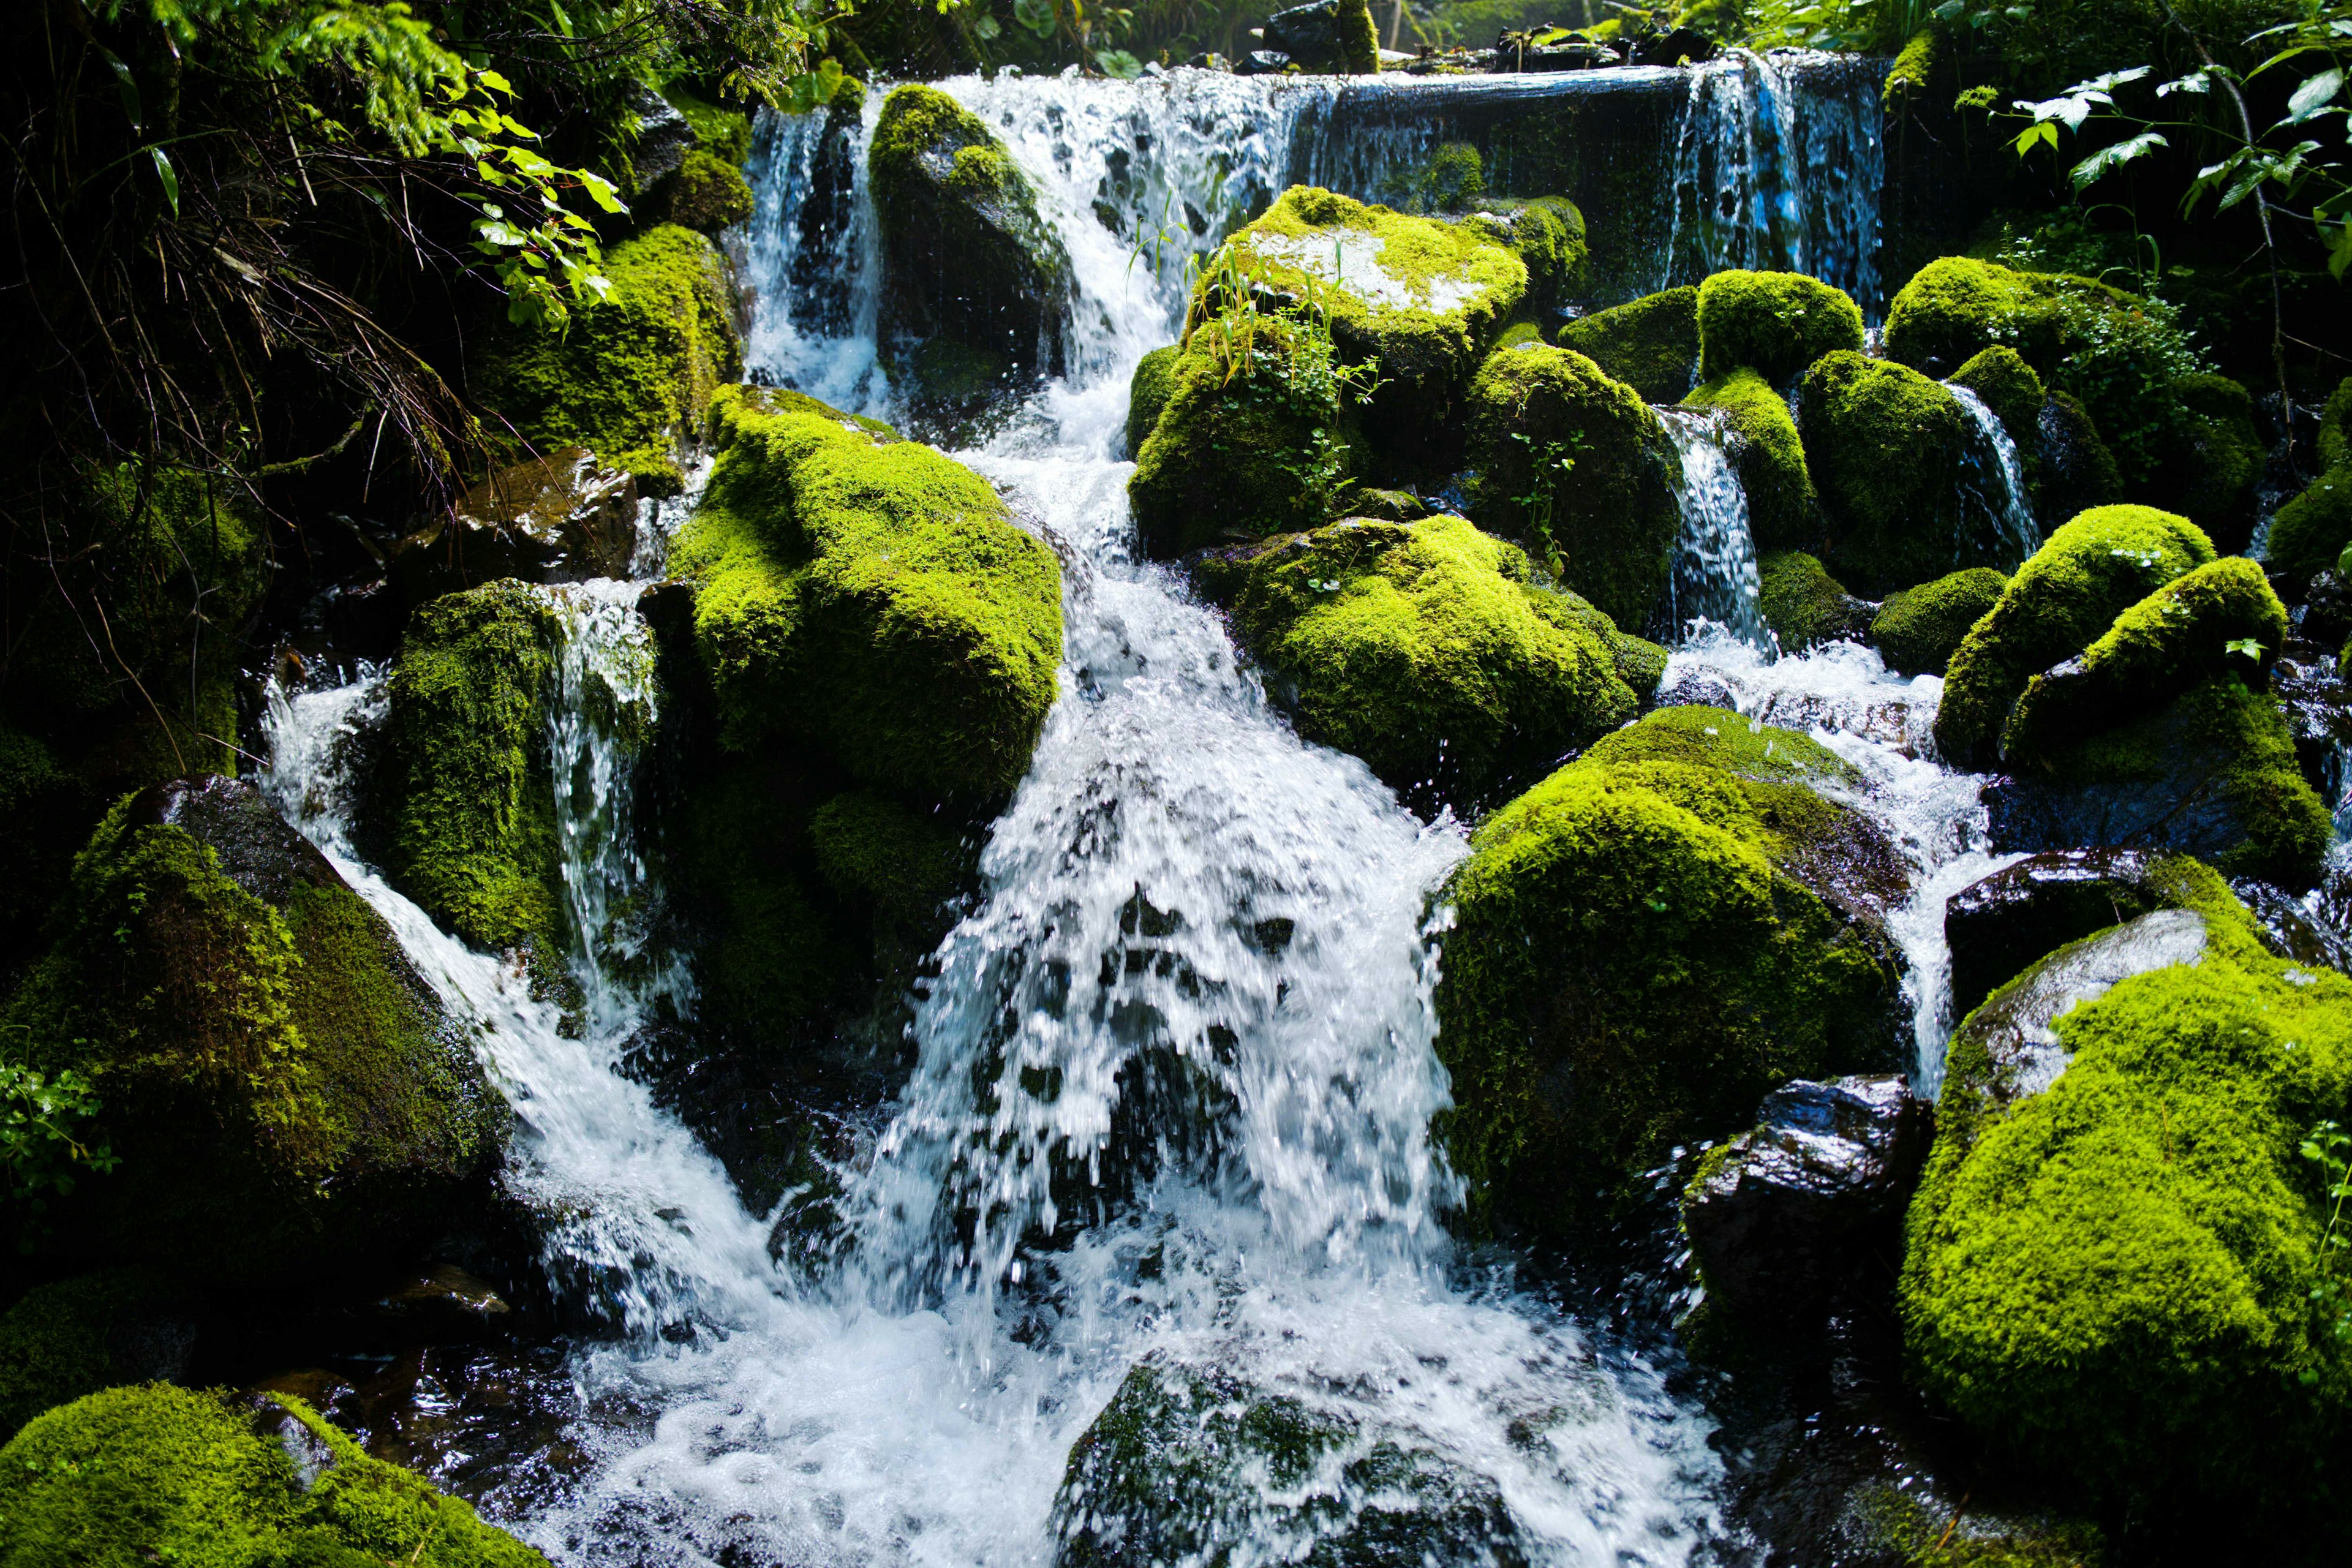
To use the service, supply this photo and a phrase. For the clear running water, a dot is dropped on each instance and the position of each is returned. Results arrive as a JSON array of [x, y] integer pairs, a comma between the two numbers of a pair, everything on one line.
[[2002, 521], [1715, 577], [1187, 1032]]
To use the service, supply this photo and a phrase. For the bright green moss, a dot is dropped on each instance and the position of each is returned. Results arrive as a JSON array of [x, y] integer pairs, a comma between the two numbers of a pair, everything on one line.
[[2008, 385], [1428, 650], [2220, 619], [1909, 79], [1775, 324], [1519, 334], [1803, 606], [1261, 453], [1424, 297], [708, 194], [2120, 354], [1633, 964], [2312, 530], [2111, 1280], [1888, 449], [132, 1477], [1548, 234], [1920, 629], [472, 837], [55, 1342], [873, 596], [1783, 511], [1578, 466], [1360, 40], [2335, 444], [719, 132], [632, 375], [2089, 572], [1148, 393], [1650, 344]]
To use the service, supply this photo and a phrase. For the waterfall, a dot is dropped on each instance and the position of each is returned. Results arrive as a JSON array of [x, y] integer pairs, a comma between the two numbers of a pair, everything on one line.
[[1994, 492], [1714, 578]]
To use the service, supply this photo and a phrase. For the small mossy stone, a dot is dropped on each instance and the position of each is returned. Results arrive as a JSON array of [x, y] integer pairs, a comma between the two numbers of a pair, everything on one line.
[[1519, 334], [888, 856], [1638, 953], [2008, 386], [1890, 451], [1651, 344], [2089, 572], [1783, 509], [1803, 606], [1424, 298], [1918, 630], [2335, 427], [1775, 324], [73, 1337], [2110, 1279], [1547, 233], [1147, 392], [706, 193], [2312, 528], [1579, 467], [631, 377], [134, 1476], [873, 596], [1429, 650]]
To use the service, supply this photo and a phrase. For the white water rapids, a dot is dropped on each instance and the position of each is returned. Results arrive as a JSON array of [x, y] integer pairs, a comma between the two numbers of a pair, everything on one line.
[[1180, 885]]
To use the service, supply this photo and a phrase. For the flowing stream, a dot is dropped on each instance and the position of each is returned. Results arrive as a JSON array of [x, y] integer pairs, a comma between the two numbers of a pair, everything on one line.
[[1186, 1031]]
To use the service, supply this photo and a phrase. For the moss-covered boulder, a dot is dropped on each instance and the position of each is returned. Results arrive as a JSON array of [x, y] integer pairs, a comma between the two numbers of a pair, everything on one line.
[[1783, 509], [2112, 1260], [1775, 324], [1577, 466], [72, 1337], [1918, 630], [276, 1086], [1901, 470], [1191, 1465], [1644, 944], [631, 377], [2335, 427], [2091, 569], [1651, 344], [158, 1474], [470, 812], [1548, 234], [1428, 650], [1424, 297], [2208, 472], [1803, 606], [975, 288], [1147, 395], [2007, 386], [871, 596], [706, 194], [2311, 529]]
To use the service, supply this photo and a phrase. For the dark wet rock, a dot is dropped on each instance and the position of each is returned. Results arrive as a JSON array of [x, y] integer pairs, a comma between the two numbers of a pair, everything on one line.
[[564, 518], [662, 141], [1672, 47], [2316, 703], [444, 1301], [1999, 926], [1263, 62], [72, 1337], [1779, 1217], [1186, 1465], [2311, 930], [1325, 36], [2324, 617]]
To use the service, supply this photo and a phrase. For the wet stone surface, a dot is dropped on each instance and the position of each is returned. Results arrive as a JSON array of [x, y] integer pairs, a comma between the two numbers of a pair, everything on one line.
[[1999, 926]]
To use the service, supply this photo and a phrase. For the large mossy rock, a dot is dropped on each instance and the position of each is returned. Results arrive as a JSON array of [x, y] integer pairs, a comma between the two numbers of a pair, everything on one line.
[[73, 1337], [870, 596], [1775, 324], [2088, 573], [2210, 471], [1577, 467], [1783, 509], [1892, 451], [1803, 606], [1147, 395], [1651, 344], [1547, 233], [2008, 386], [2312, 530], [1242, 452], [975, 288], [156, 1474], [631, 377], [2113, 1257], [280, 1089], [1918, 630], [1428, 650], [1645, 944], [1424, 297], [470, 812], [1191, 1465]]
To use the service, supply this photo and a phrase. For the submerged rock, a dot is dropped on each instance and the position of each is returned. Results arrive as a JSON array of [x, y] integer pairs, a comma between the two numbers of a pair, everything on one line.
[[1645, 944], [976, 288], [632, 376], [168, 1474], [1429, 650], [1196, 1466], [1650, 344], [1781, 1216], [1918, 630], [1775, 324], [1998, 925], [278, 1088], [1577, 467], [2111, 1256], [564, 518]]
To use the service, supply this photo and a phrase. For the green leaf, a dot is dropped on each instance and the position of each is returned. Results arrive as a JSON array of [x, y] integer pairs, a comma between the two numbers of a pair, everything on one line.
[[2246, 646], [2314, 95], [127, 86], [2108, 159], [168, 176]]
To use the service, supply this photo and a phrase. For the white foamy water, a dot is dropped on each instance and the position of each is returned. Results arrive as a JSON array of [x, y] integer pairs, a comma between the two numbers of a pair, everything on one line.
[[1715, 577]]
